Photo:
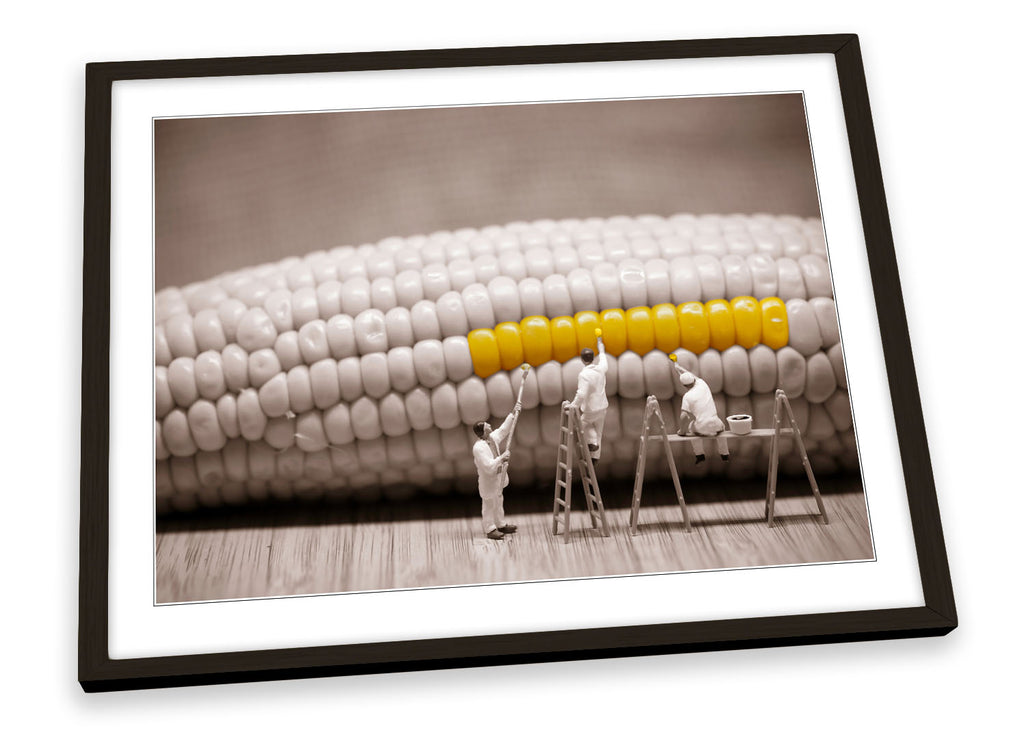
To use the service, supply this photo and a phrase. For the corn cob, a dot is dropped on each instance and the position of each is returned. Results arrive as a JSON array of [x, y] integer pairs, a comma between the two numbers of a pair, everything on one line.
[[361, 369]]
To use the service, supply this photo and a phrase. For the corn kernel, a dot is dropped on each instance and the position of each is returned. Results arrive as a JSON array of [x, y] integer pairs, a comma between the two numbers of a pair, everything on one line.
[[563, 339], [666, 327], [536, 333], [720, 324], [613, 327], [694, 333], [640, 330], [746, 316], [483, 347], [774, 323], [586, 323], [510, 344]]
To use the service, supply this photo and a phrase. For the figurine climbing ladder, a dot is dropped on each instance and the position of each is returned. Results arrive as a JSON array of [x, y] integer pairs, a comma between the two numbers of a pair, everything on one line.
[[652, 412], [572, 448]]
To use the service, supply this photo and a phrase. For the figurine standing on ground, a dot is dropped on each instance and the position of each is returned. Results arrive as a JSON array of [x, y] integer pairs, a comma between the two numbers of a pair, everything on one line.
[[698, 414], [590, 397], [492, 470]]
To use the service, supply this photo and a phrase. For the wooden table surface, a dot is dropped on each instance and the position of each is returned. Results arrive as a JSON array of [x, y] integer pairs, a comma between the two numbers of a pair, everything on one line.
[[315, 549]]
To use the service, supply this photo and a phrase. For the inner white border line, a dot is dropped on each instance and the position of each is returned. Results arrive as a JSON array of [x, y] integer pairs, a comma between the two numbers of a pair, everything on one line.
[[510, 582]]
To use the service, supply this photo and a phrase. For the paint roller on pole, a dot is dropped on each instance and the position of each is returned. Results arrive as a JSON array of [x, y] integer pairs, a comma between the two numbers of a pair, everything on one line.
[[519, 401]]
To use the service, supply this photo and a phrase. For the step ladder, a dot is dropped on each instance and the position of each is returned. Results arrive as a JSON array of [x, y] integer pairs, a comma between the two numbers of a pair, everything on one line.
[[653, 421], [572, 448], [654, 429], [782, 404]]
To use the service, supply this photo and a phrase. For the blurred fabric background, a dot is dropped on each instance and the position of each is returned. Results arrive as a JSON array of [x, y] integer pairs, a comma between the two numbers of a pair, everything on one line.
[[240, 191]]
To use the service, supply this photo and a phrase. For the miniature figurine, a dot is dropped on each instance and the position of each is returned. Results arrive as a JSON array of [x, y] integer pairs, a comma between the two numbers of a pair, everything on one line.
[[698, 414], [492, 470], [590, 397]]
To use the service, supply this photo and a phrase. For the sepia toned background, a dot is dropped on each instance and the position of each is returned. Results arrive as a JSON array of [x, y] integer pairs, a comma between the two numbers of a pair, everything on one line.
[[240, 191]]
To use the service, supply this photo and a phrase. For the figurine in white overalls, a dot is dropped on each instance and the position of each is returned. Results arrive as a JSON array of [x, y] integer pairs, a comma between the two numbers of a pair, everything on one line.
[[698, 414], [591, 399], [492, 470]]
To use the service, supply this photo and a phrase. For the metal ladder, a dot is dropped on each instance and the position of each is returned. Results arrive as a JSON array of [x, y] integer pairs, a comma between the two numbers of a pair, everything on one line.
[[782, 403], [572, 447], [652, 412]]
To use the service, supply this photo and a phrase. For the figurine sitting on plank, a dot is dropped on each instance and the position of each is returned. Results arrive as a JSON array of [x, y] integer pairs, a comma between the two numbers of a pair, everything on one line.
[[698, 413]]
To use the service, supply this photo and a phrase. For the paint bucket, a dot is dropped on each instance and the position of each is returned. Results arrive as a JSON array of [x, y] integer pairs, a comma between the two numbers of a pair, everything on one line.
[[740, 424]]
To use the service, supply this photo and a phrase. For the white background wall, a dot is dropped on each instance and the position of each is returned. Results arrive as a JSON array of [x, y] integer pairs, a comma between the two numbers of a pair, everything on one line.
[[944, 89]]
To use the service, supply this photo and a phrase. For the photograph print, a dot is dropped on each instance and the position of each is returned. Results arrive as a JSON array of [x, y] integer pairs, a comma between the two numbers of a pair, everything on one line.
[[454, 346]]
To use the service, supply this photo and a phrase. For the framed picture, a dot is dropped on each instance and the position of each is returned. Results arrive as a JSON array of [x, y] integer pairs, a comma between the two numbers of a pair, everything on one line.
[[434, 359]]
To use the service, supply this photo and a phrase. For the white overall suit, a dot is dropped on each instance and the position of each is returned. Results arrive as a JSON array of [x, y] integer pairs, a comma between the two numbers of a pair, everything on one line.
[[493, 475], [592, 400], [698, 413]]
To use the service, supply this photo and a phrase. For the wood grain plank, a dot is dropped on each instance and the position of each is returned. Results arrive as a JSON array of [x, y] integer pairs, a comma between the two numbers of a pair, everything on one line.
[[376, 549]]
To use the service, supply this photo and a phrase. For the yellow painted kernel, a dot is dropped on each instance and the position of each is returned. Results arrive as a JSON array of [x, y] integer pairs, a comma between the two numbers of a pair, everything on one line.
[[720, 324], [774, 323], [666, 327], [640, 330], [536, 331], [563, 339], [613, 327], [694, 333], [510, 344], [746, 316], [586, 323], [483, 350], [695, 326]]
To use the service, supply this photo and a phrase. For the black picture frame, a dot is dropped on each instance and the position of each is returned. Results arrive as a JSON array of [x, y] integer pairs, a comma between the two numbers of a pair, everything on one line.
[[98, 672]]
